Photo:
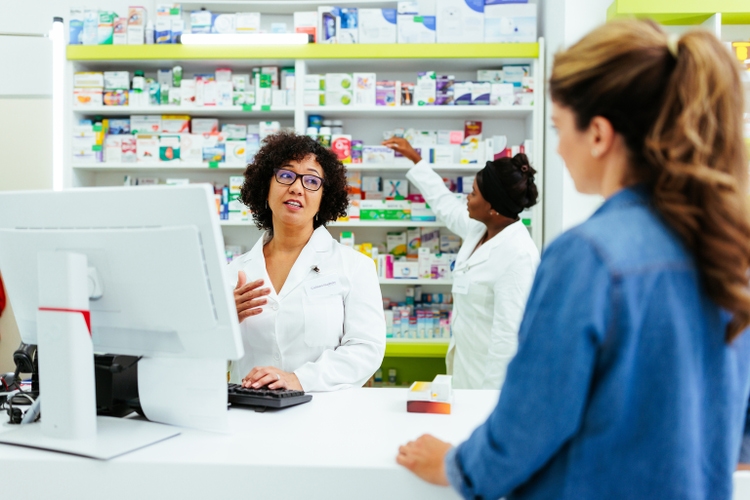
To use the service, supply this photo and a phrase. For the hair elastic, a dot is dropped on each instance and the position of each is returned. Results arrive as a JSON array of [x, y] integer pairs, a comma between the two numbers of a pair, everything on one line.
[[672, 44]]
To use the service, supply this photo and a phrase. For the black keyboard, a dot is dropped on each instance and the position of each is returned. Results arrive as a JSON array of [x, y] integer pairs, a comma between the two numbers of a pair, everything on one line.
[[264, 397]]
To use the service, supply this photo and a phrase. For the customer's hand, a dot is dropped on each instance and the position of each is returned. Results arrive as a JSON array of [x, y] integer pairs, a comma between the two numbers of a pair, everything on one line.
[[425, 458], [270, 376], [402, 146], [248, 297]]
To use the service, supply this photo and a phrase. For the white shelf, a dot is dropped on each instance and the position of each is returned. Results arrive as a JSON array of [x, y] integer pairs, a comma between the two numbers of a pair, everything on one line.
[[422, 111], [233, 111], [442, 167], [277, 6], [419, 281], [384, 224], [189, 167], [175, 167], [387, 223], [401, 340]]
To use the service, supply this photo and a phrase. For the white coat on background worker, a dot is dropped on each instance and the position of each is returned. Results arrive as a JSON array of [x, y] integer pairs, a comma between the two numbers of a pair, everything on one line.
[[494, 268], [310, 309]]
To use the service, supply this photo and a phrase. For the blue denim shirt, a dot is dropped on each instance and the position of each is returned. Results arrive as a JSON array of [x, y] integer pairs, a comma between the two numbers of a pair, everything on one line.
[[623, 385]]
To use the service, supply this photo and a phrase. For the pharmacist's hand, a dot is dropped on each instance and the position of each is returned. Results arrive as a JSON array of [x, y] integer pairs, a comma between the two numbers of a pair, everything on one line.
[[425, 457], [248, 297], [402, 146], [270, 376]]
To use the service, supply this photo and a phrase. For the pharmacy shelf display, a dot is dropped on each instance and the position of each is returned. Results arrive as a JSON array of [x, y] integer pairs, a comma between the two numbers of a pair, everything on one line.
[[390, 62]]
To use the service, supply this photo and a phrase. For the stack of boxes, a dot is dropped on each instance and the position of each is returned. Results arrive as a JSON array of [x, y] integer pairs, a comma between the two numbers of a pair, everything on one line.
[[267, 86], [171, 138], [422, 21], [511, 85]]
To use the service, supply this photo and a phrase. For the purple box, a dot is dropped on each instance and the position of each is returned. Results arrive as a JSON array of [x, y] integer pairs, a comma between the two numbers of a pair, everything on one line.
[[385, 93], [357, 151]]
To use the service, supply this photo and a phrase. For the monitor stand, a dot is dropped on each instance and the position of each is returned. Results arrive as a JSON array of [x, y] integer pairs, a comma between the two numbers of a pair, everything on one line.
[[66, 370]]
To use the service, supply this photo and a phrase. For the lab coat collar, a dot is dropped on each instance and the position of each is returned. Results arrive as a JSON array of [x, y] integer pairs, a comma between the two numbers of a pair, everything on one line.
[[308, 261], [483, 253]]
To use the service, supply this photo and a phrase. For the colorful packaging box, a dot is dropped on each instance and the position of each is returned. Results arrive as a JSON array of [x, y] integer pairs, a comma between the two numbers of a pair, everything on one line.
[[425, 89], [169, 148]]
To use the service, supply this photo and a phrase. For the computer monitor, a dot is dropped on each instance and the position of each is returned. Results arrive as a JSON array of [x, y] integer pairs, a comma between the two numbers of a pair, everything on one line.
[[151, 259]]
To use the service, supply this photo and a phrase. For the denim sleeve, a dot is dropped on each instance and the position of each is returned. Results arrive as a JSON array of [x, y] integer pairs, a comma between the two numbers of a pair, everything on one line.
[[546, 388], [745, 449]]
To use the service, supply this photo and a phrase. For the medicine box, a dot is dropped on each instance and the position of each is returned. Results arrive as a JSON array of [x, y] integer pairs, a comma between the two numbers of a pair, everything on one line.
[[339, 97], [377, 25], [364, 89], [145, 124], [247, 22], [113, 149], [430, 239], [89, 80], [205, 126], [116, 80], [175, 124], [393, 188], [87, 97], [480, 93], [235, 204], [416, 29], [147, 148], [191, 148], [235, 153], [347, 25], [509, 22], [460, 21], [397, 210], [377, 154], [372, 210], [342, 146], [515, 73], [425, 89], [405, 269], [462, 93], [169, 148]]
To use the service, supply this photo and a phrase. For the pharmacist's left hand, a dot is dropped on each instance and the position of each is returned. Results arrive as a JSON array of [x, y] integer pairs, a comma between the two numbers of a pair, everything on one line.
[[270, 376], [425, 457]]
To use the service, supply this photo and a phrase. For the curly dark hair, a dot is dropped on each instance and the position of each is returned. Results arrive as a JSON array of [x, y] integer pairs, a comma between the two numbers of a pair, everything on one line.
[[517, 177], [279, 149]]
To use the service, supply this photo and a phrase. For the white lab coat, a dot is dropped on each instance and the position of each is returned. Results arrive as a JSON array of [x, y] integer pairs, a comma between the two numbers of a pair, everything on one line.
[[326, 324], [490, 287]]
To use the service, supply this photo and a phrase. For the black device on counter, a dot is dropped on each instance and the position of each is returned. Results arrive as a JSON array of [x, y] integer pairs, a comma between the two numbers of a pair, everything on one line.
[[263, 397], [116, 384]]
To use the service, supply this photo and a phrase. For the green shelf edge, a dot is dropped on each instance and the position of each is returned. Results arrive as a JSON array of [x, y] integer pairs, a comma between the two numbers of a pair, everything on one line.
[[684, 12], [415, 350], [311, 51]]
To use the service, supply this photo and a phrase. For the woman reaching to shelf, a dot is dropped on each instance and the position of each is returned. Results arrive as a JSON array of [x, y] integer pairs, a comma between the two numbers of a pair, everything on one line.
[[633, 370], [310, 309], [494, 268]]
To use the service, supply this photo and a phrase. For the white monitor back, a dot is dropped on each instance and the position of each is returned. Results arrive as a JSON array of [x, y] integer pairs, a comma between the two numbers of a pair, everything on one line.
[[159, 253]]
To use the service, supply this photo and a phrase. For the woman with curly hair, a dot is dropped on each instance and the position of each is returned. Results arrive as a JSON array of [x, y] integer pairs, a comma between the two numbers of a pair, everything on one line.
[[633, 367], [310, 309], [494, 268]]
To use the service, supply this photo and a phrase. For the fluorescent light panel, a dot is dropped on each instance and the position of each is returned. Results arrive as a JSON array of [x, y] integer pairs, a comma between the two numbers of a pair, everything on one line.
[[244, 39]]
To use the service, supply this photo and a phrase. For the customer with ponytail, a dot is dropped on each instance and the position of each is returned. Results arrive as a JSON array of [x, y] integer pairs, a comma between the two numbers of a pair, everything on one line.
[[631, 378], [494, 268]]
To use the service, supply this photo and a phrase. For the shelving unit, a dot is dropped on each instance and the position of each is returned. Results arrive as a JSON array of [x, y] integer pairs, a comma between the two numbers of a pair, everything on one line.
[[388, 62]]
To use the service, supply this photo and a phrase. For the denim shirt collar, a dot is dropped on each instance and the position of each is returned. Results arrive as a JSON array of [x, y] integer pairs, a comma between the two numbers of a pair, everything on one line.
[[637, 194]]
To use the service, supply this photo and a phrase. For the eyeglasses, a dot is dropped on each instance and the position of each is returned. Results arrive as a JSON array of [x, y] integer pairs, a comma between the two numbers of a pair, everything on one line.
[[287, 177]]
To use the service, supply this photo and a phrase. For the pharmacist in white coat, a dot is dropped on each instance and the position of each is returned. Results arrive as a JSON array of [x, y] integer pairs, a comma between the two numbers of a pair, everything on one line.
[[494, 268], [310, 309]]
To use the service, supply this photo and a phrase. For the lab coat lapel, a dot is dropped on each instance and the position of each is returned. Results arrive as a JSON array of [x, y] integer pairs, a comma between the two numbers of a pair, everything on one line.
[[465, 253], [308, 259], [503, 237], [254, 263]]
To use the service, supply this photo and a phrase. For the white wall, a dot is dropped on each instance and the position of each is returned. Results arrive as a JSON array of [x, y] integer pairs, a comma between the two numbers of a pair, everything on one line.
[[565, 23]]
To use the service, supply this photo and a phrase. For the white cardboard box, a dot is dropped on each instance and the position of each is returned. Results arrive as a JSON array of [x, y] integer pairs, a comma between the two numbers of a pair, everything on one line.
[[416, 29], [377, 26], [460, 21], [509, 22]]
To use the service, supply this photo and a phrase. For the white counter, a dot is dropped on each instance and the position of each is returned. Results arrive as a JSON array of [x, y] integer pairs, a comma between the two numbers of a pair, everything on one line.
[[340, 445]]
